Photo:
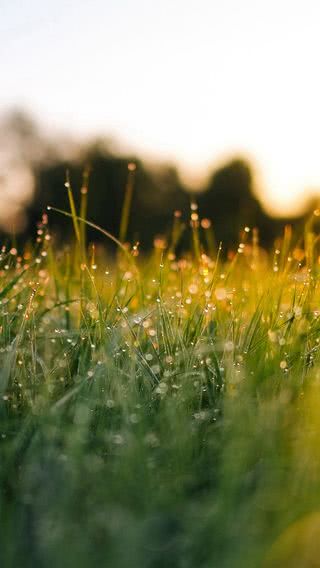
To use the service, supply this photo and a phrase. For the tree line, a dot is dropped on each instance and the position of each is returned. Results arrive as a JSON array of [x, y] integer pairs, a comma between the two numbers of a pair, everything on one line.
[[228, 199]]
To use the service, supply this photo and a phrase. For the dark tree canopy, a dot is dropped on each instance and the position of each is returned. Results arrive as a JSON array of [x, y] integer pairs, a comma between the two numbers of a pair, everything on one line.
[[229, 198], [230, 202], [155, 196]]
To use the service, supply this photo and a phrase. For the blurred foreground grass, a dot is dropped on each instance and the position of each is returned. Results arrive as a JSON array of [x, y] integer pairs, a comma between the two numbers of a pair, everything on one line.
[[160, 411]]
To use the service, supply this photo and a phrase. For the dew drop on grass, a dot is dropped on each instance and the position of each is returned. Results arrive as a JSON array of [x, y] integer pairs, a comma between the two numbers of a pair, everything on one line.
[[220, 294]]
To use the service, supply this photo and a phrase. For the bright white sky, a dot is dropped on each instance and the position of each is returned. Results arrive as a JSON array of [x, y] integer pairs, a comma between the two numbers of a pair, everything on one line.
[[189, 80]]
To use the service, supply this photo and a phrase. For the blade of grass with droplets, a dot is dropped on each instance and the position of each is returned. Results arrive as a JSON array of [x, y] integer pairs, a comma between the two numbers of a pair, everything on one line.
[[73, 210], [100, 230], [125, 214], [10, 285]]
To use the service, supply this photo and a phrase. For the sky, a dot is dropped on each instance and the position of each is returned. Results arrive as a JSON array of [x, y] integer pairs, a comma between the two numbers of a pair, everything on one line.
[[188, 81]]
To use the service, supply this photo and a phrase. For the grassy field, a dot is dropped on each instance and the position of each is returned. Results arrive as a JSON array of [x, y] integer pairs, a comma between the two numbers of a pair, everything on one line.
[[160, 410]]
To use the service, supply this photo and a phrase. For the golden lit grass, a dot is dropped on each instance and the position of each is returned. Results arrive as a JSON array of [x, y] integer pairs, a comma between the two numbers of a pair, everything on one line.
[[161, 409]]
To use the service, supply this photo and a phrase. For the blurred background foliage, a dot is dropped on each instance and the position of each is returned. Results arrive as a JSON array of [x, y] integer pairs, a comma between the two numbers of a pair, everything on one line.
[[33, 169]]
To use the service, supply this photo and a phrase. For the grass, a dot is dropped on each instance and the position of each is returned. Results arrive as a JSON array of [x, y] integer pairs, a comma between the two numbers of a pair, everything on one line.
[[160, 410]]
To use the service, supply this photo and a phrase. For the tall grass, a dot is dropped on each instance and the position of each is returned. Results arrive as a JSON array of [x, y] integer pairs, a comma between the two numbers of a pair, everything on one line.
[[160, 410]]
